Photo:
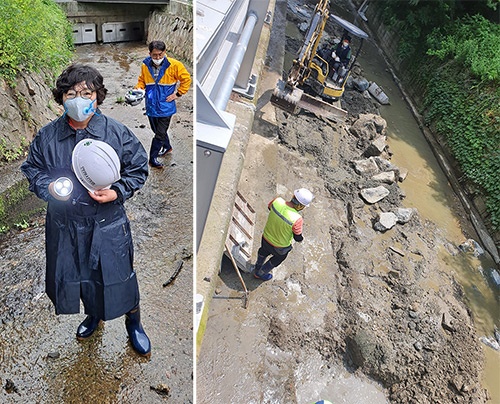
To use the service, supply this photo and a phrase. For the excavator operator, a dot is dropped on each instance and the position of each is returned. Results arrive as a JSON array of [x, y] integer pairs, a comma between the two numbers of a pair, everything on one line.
[[340, 58]]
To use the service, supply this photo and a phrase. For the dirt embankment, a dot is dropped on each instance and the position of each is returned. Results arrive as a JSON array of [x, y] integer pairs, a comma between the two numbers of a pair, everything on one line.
[[399, 318]]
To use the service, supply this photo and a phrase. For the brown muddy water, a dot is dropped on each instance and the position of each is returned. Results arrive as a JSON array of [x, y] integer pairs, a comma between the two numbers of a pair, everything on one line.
[[41, 360]]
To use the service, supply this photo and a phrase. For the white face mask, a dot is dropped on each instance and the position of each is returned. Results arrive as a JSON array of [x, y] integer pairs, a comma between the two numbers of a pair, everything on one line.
[[79, 109], [157, 62], [344, 44]]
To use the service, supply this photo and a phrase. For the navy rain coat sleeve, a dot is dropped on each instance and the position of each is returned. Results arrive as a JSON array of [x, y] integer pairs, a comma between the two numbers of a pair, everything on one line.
[[36, 168]]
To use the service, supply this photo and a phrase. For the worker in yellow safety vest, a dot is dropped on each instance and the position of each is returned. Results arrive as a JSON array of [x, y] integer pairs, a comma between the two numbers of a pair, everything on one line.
[[284, 224]]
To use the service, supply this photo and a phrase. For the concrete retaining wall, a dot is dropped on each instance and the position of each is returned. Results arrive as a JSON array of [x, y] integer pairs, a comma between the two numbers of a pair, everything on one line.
[[100, 13], [171, 23]]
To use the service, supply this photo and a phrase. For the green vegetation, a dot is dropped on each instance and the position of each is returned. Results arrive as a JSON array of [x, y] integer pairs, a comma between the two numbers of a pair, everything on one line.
[[34, 35], [18, 207], [7, 154], [451, 54]]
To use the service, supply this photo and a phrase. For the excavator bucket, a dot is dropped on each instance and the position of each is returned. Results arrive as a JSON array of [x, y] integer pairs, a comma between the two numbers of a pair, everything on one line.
[[286, 97], [293, 99], [322, 108]]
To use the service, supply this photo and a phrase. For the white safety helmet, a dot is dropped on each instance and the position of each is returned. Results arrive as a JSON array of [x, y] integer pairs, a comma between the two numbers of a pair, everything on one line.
[[96, 164], [304, 196], [134, 97]]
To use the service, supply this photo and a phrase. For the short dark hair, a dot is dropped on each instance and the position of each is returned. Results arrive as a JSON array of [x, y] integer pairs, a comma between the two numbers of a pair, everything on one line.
[[76, 73], [159, 45], [295, 201]]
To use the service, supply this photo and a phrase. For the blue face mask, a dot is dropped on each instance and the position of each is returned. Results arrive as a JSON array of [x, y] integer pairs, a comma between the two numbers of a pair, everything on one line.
[[79, 109]]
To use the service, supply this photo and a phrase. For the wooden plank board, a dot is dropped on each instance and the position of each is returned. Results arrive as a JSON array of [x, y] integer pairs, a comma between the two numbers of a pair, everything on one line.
[[241, 232]]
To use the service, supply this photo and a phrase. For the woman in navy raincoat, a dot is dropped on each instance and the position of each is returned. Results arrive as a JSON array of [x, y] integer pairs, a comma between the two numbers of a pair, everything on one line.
[[88, 241]]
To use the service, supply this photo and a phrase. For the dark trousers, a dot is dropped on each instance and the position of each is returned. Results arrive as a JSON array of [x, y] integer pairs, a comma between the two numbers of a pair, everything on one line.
[[278, 254], [159, 125]]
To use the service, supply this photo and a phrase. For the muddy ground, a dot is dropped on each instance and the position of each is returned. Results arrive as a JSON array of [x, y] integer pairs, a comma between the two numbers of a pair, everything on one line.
[[348, 298], [41, 360]]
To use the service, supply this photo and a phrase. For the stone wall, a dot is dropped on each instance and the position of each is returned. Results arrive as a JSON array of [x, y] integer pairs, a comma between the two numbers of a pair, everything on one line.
[[174, 25], [24, 110]]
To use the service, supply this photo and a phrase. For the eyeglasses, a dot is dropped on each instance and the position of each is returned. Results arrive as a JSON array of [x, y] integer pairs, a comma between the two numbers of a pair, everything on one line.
[[84, 94]]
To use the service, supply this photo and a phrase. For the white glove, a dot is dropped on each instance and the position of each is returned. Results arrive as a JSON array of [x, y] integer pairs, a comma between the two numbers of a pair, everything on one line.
[[334, 55], [337, 59]]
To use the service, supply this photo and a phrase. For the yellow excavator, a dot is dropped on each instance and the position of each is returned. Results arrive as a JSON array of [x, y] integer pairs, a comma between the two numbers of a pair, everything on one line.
[[311, 84]]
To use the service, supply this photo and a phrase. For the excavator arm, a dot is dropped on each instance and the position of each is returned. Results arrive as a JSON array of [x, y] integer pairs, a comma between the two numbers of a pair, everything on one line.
[[300, 68], [287, 95]]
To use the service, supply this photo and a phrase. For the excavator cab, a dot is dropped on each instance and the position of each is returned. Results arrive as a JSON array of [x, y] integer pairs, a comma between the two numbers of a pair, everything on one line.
[[323, 79]]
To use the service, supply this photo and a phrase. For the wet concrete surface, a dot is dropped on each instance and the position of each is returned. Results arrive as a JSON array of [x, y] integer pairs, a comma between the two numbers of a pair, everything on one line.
[[41, 360]]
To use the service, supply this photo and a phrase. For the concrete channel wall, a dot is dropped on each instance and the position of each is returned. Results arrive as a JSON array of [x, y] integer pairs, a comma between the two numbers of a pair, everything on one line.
[[211, 249]]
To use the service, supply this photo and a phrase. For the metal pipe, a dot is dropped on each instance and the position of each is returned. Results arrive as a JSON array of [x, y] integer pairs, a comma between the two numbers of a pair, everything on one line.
[[234, 64]]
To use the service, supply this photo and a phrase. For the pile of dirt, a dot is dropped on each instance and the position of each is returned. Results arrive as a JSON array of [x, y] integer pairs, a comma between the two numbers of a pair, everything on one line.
[[400, 319]]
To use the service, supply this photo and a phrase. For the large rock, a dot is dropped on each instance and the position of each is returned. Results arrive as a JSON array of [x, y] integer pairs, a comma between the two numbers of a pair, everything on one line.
[[377, 147], [360, 84], [366, 166], [403, 173], [385, 165], [368, 126], [387, 177], [404, 215], [373, 195], [386, 221]]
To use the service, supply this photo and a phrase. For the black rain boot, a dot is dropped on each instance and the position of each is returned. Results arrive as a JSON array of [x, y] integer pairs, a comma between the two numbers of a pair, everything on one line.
[[87, 327], [153, 154], [138, 338]]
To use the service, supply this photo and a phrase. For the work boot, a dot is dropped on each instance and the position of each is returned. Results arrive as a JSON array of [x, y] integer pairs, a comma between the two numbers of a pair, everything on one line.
[[155, 163], [153, 154], [87, 327], [262, 276], [264, 273], [138, 338]]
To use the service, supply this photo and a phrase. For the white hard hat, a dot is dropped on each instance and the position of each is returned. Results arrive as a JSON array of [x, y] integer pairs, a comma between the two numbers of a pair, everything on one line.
[[304, 196], [96, 164], [134, 97]]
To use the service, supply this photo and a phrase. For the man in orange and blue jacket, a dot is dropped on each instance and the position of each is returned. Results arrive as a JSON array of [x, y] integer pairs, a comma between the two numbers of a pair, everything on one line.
[[164, 80]]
